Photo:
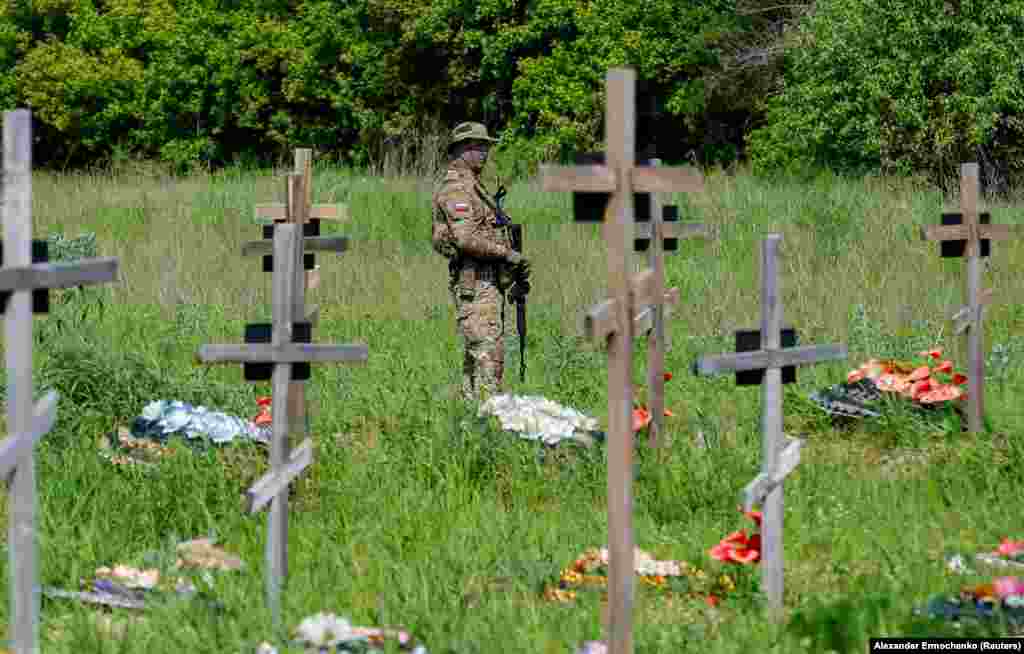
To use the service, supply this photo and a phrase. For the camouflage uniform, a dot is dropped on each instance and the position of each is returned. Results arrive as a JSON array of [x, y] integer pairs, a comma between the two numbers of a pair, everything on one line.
[[466, 230]]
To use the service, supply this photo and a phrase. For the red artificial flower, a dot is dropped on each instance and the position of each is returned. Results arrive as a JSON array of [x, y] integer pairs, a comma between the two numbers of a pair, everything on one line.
[[945, 366], [934, 353], [668, 376], [641, 418], [737, 547], [919, 374]]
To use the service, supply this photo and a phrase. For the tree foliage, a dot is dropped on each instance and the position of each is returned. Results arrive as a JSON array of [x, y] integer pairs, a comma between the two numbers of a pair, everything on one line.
[[849, 84], [216, 80], [901, 86]]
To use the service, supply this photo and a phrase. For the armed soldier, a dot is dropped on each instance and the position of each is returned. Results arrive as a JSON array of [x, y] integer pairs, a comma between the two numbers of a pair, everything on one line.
[[471, 231]]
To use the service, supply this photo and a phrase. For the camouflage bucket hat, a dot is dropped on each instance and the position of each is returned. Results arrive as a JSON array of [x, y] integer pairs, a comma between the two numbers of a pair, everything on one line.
[[470, 132]]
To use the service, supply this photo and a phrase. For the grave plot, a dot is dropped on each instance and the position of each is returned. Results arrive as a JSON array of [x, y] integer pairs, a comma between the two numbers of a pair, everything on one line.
[[613, 321], [768, 357], [284, 358], [298, 210], [657, 231], [968, 234], [24, 281]]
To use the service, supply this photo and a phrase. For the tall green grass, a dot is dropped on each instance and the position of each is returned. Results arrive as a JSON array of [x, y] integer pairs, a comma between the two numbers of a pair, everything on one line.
[[416, 514]]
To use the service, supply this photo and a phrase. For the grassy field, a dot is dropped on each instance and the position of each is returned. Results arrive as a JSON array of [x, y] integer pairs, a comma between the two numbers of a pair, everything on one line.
[[414, 516]]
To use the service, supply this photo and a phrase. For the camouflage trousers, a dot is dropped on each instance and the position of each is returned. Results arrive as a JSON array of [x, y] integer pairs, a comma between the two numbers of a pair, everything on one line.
[[480, 316]]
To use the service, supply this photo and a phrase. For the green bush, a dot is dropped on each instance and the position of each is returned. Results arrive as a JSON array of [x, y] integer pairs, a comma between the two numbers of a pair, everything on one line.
[[901, 87]]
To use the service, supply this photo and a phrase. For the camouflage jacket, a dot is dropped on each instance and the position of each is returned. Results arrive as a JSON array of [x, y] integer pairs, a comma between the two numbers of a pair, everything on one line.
[[465, 222]]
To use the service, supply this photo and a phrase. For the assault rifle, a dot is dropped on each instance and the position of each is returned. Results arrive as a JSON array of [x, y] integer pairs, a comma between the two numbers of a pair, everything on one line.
[[516, 232]]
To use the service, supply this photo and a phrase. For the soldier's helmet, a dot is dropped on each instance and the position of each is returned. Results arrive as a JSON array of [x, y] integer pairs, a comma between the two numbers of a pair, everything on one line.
[[469, 132]]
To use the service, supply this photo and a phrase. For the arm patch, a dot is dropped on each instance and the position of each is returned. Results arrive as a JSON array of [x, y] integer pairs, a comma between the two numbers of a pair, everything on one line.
[[458, 207]]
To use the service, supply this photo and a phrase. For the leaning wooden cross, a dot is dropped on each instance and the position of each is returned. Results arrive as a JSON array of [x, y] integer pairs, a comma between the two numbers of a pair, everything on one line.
[[780, 455], [612, 321], [24, 284], [284, 354], [962, 235]]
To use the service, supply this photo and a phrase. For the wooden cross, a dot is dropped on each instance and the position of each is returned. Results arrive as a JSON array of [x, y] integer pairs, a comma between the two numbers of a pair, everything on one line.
[[962, 235], [613, 320], [661, 234], [295, 213], [283, 353], [22, 281], [779, 457], [269, 214]]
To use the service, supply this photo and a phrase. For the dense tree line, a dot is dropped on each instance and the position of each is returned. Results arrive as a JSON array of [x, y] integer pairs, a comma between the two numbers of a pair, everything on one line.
[[851, 84]]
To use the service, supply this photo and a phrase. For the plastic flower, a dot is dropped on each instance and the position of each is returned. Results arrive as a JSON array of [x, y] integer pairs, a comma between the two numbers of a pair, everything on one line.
[[325, 630], [642, 417], [934, 353], [945, 366], [737, 547], [1010, 548], [919, 373], [668, 376], [1008, 586]]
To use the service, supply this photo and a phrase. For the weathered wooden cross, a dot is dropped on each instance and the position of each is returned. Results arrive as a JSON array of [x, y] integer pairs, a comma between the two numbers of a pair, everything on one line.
[[961, 234], [659, 235], [284, 354], [269, 214], [297, 210], [779, 454], [613, 320], [24, 284]]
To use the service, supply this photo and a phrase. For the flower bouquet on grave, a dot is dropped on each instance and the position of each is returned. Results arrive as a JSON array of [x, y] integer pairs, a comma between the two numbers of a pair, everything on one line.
[[642, 415], [1000, 599], [128, 586], [739, 548], [669, 579], [327, 632], [536, 418], [927, 384], [1009, 554]]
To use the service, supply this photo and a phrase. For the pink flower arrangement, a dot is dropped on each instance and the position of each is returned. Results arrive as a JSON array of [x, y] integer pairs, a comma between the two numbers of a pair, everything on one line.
[[1010, 548], [1008, 586]]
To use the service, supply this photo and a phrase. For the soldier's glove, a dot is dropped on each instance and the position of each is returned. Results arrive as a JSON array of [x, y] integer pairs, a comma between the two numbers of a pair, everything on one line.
[[520, 266], [519, 290]]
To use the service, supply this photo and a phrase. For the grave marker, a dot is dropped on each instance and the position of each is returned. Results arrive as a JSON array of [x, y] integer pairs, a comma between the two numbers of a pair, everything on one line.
[[779, 457], [966, 234], [612, 321], [653, 220], [270, 214], [23, 283], [659, 235], [295, 211], [283, 353]]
